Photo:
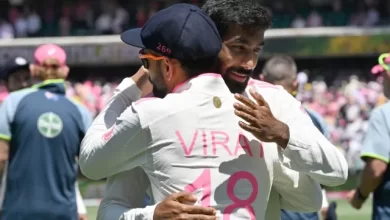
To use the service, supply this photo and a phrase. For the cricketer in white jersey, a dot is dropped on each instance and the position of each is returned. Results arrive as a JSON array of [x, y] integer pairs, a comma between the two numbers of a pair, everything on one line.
[[307, 197], [127, 199]]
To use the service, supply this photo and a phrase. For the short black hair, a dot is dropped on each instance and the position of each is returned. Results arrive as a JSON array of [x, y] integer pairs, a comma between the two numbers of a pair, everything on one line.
[[279, 68], [196, 67], [241, 12]]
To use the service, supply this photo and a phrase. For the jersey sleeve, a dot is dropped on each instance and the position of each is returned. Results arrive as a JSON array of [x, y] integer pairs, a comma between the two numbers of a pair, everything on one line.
[[109, 136], [309, 151], [318, 121], [8, 110], [86, 120], [298, 191], [139, 213], [6, 115], [376, 142], [119, 148]]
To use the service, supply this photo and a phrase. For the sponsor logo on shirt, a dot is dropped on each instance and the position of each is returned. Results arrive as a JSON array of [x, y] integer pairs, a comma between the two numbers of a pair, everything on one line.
[[50, 125]]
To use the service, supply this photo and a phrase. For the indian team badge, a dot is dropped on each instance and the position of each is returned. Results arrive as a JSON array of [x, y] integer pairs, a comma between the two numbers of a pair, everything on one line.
[[49, 125], [217, 102]]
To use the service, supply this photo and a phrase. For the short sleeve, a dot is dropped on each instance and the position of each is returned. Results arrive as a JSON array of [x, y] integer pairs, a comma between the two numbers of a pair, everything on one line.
[[376, 142], [6, 112], [86, 116], [87, 120]]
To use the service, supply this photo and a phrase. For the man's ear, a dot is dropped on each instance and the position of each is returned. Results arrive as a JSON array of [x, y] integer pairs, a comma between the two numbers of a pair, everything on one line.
[[171, 66], [33, 70], [295, 85], [166, 67], [65, 71]]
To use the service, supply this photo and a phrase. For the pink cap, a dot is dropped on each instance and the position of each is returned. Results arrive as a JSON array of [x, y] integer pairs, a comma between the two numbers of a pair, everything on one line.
[[53, 51]]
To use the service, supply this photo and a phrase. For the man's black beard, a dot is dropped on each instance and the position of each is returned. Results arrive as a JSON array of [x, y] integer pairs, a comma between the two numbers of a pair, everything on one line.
[[158, 92], [234, 86]]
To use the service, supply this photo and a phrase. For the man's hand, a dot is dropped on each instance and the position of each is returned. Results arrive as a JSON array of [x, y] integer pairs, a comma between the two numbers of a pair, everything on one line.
[[83, 217], [323, 212], [260, 120], [141, 79], [353, 200], [4, 154], [179, 206]]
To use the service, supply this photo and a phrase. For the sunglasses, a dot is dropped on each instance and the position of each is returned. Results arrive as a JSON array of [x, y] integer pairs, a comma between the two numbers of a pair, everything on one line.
[[144, 58]]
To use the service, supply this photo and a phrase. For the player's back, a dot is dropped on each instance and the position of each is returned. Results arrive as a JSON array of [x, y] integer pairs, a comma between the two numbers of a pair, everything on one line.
[[197, 146], [46, 129]]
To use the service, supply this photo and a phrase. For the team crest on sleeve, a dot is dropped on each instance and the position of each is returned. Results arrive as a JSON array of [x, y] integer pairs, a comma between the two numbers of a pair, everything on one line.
[[50, 125], [108, 135]]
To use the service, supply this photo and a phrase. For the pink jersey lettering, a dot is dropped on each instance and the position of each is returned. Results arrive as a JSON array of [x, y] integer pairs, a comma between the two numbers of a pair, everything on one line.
[[187, 151], [216, 137]]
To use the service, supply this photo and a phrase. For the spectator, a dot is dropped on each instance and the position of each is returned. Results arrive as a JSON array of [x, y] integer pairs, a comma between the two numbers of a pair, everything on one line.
[[372, 17], [6, 30], [358, 18], [34, 23], [141, 17], [82, 17], [109, 17], [21, 25], [103, 24], [120, 19], [298, 22], [314, 19], [65, 23]]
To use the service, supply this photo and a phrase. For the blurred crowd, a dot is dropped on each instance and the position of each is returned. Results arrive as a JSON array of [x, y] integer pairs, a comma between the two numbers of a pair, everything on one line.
[[345, 108], [28, 18]]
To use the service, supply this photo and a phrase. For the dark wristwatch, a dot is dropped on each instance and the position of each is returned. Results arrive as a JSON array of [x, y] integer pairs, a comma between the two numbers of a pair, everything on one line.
[[359, 195]]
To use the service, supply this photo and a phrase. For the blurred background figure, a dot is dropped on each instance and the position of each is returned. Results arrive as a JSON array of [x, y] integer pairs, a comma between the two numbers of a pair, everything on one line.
[[282, 71], [40, 134], [375, 177], [16, 74]]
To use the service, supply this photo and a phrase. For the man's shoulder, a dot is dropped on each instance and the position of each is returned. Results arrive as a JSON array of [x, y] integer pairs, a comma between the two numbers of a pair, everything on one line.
[[381, 112], [171, 101], [385, 108], [314, 115], [266, 89], [17, 96], [22, 92], [273, 94], [79, 105], [254, 83], [151, 108]]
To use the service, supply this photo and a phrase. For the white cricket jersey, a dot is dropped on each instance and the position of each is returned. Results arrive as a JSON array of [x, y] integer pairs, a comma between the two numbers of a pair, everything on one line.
[[308, 151], [125, 190], [190, 141], [294, 196]]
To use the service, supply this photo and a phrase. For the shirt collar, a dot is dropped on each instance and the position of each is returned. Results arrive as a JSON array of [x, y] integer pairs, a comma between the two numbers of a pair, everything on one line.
[[52, 85], [207, 83]]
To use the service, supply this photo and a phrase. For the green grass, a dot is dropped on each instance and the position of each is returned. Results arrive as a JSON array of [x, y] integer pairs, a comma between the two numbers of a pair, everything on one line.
[[92, 212], [344, 211]]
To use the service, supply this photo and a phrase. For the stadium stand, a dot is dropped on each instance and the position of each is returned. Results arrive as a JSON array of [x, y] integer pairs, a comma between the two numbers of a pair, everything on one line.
[[27, 18]]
